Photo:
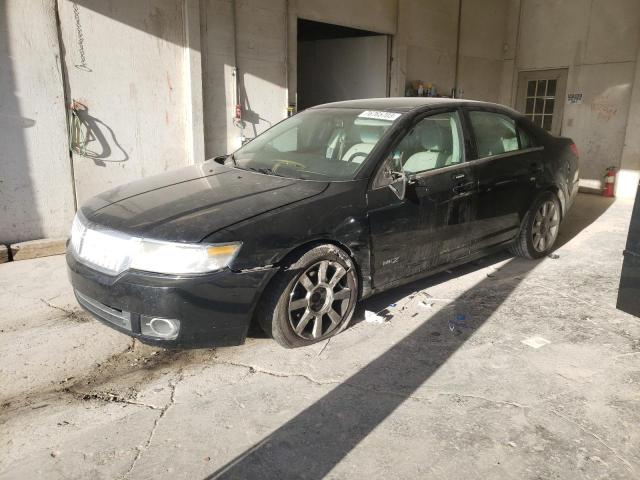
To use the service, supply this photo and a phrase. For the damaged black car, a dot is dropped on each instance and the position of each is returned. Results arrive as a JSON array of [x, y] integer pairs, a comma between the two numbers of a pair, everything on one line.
[[326, 208]]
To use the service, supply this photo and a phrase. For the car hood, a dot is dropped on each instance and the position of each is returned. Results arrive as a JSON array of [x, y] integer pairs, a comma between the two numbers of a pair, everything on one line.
[[189, 204]]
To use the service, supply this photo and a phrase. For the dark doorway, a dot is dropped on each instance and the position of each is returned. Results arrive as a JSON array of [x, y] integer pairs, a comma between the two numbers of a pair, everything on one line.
[[340, 63]]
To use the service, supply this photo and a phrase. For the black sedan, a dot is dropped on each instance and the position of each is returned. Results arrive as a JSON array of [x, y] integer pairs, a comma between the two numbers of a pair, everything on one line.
[[328, 207]]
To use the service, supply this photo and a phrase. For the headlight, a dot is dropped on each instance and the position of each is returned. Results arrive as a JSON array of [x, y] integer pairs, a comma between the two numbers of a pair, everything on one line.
[[77, 232], [114, 252], [179, 258]]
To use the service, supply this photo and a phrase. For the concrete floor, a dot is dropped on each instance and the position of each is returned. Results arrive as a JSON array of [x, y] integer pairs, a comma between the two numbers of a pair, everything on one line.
[[425, 394]]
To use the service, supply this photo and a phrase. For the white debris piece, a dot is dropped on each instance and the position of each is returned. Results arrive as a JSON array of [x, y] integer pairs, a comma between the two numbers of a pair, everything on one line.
[[536, 342], [372, 317]]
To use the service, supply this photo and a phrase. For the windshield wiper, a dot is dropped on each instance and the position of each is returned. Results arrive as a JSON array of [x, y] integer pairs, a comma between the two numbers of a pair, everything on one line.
[[266, 171], [263, 170]]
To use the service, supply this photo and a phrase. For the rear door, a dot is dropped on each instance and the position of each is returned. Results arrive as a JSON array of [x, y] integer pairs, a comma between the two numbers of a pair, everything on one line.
[[507, 167], [428, 227]]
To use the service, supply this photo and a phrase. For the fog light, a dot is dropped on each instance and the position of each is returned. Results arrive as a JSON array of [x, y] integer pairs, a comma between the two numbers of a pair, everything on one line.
[[157, 327]]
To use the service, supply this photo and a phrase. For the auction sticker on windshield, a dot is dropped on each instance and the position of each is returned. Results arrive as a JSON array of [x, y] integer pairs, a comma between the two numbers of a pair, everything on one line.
[[379, 115]]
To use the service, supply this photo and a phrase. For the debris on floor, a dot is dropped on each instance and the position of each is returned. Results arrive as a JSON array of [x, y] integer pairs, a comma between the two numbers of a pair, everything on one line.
[[553, 256], [430, 299], [459, 321], [536, 342], [372, 317]]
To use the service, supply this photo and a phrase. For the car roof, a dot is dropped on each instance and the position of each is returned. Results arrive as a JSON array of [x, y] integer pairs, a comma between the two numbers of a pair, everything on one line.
[[405, 104]]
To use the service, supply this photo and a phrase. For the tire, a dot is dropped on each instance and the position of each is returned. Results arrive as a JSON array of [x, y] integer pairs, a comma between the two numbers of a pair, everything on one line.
[[537, 224], [311, 299]]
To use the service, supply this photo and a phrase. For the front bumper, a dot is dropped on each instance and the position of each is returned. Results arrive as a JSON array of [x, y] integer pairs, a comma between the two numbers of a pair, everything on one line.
[[213, 309]]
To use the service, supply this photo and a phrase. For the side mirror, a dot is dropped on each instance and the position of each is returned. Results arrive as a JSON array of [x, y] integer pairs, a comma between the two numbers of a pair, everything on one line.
[[399, 184]]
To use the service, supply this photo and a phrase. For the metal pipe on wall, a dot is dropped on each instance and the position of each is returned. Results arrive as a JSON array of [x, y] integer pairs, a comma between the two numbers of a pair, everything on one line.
[[456, 92]]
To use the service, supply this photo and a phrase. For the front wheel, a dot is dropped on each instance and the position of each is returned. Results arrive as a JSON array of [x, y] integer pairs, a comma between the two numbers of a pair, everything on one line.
[[312, 299], [539, 229]]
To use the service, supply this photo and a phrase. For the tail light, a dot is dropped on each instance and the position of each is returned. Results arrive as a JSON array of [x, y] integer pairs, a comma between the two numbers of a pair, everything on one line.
[[574, 149]]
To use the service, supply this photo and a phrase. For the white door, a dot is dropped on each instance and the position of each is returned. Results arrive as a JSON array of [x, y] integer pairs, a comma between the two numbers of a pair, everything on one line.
[[541, 97]]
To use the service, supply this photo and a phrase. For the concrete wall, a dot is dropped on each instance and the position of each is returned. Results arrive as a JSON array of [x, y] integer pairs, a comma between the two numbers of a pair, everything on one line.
[[598, 42], [426, 46], [133, 86], [426, 43], [218, 80], [259, 42], [36, 194], [485, 43], [374, 15]]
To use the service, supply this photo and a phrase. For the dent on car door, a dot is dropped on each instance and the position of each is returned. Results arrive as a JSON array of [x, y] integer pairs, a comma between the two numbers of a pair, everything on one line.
[[427, 227], [507, 167]]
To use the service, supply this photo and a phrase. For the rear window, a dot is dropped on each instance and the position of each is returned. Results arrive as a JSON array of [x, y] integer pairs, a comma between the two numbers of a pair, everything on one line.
[[495, 133]]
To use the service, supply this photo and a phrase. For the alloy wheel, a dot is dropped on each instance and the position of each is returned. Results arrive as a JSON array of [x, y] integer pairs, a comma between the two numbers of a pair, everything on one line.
[[320, 299], [545, 226]]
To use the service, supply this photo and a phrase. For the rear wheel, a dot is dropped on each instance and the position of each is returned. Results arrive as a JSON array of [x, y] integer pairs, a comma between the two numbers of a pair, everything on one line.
[[539, 229], [312, 299]]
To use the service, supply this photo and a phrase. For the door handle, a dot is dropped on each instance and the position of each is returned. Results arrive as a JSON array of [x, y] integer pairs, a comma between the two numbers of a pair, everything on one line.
[[463, 187]]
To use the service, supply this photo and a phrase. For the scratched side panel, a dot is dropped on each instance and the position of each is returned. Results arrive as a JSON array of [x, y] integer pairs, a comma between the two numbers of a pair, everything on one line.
[[338, 215]]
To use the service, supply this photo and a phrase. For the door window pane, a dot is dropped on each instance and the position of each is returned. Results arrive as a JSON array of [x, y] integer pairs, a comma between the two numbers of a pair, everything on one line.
[[548, 106], [529, 107], [434, 142], [546, 122], [495, 133], [551, 88], [531, 88], [539, 105], [542, 88]]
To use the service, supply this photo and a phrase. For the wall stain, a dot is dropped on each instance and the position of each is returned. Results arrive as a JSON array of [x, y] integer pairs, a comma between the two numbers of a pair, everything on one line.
[[604, 111]]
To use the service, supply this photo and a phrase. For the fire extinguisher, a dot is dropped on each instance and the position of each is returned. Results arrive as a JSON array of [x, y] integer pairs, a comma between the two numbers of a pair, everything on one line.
[[609, 182]]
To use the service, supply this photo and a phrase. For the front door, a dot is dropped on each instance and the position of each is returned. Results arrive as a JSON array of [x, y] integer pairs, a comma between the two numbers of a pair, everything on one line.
[[541, 97], [428, 227]]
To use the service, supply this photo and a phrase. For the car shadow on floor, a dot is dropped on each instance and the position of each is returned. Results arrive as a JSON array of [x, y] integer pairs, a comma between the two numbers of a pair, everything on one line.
[[585, 211], [318, 438]]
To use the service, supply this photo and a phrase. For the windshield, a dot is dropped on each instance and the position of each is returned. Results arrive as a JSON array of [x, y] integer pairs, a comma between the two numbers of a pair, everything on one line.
[[317, 144]]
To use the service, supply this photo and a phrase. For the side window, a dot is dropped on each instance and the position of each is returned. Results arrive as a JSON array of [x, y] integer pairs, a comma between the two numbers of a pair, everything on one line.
[[433, 142], [495, 133]]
